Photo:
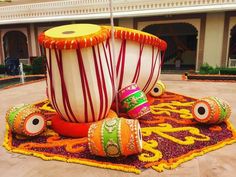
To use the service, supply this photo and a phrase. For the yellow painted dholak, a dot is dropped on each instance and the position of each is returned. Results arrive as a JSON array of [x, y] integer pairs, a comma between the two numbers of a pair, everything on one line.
[[158, 89]]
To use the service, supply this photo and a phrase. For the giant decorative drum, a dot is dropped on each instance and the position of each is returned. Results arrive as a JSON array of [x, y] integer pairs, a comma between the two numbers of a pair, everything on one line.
[[79, 71], [138, 57]]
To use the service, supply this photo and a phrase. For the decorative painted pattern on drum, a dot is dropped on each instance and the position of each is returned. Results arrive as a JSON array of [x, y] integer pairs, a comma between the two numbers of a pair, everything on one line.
[[26, 120], [211, 110], [134, 101], [115, 137]]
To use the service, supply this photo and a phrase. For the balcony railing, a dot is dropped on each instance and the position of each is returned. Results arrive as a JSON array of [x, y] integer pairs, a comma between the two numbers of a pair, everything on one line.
[[232, 63], [85, 9]]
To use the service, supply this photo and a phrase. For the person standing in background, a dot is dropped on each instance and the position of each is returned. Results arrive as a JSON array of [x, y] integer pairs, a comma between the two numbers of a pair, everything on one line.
[[178, 59]]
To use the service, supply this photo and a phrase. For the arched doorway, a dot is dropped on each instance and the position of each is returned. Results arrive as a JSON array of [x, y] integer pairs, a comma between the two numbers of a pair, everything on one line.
[[15, 45], [182, 44], [232, 48]]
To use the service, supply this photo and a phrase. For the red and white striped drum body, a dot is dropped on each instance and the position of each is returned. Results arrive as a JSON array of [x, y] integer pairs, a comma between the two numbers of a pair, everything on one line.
[[79, 65], [138, 58]]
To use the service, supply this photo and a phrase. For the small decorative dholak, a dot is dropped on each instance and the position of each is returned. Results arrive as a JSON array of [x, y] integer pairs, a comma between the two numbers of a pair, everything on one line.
[[133, 101], [26, 120], [158, 89], [211, 110], [114, 137]]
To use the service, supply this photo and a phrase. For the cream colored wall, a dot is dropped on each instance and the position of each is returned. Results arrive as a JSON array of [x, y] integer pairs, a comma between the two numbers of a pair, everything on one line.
[[213, 38], [126, 22], [33, 41]]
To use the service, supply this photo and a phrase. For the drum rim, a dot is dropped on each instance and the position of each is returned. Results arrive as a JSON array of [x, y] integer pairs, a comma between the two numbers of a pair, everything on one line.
[[26, 132], [101, 36], [138, 36], [74, 43]]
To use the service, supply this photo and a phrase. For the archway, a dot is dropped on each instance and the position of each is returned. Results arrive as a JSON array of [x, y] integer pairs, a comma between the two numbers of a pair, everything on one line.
[[15, 45], [232, 48], [182, 44]]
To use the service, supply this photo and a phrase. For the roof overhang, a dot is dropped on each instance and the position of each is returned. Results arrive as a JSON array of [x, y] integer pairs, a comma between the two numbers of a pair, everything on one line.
[[45, 12]]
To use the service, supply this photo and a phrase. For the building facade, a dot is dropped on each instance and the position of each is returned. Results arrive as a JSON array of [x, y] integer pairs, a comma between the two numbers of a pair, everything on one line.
[[204, 30]]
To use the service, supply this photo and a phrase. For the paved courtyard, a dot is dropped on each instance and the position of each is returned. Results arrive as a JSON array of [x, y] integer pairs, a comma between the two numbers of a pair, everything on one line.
[[220, 163]]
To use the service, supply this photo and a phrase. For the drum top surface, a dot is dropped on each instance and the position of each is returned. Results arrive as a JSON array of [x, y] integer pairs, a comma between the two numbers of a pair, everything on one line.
[[72, 31]]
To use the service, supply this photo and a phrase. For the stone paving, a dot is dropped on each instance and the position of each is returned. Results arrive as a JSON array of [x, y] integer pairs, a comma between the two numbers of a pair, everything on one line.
[[218, 163]]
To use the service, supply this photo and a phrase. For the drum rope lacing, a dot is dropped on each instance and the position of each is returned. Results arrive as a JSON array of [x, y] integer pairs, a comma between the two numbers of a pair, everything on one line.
[[114, 56]]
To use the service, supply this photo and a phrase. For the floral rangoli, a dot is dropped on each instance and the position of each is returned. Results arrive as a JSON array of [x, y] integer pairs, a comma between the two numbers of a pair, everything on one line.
[[170, 137]]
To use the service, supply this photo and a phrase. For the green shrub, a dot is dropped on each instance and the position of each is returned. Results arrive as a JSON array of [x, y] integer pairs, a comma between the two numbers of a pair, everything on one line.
[[2, 69], [38, 66], [207, 69], [215, 70], [27, 69], [229, 71]]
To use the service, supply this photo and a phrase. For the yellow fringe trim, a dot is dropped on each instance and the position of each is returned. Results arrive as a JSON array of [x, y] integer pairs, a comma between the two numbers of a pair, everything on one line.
[[40, 102], [162, 166], [126, 168], [107, 165]]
